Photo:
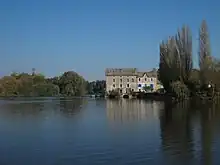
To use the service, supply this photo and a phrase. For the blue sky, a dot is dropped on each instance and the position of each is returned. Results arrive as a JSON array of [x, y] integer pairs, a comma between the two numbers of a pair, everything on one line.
[[87, 36]]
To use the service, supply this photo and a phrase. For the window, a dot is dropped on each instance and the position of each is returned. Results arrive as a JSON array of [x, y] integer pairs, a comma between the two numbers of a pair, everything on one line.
[[128, 85], [120, 80], [139, 79], [121, 85], [132, 90], [145, 79], [151, 79], [113, 85], [113, 80], [132, 80], [127, 80], [139, 85], [139, 90]]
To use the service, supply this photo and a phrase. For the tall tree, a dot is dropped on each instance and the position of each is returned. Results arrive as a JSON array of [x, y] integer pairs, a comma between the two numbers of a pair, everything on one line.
[[168, 63], [205, 58], [184, 52], [176, 59]]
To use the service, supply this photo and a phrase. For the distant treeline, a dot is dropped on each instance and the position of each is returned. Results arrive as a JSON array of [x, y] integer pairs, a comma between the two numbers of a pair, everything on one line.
[[69, 83]]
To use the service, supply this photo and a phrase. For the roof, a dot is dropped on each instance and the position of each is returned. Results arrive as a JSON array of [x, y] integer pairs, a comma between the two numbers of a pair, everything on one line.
[[120, 71], [129, 72], [149, 74]]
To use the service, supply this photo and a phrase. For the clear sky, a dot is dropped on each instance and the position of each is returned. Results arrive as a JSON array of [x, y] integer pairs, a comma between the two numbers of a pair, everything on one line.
[[87, 36]]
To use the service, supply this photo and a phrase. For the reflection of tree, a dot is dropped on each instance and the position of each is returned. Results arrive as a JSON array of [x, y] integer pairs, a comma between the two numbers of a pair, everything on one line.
[[207, 125], [178, 122], [209, 120], [22, 108], [71, 107], [128, 110], [176, 132], [35, 107]]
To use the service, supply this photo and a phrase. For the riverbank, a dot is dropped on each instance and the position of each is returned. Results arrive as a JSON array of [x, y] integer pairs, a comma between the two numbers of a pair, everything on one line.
[[141, 95], [167, 97]]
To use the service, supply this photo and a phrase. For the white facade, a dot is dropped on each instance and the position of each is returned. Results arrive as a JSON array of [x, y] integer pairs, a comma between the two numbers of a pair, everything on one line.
[[123, 81]]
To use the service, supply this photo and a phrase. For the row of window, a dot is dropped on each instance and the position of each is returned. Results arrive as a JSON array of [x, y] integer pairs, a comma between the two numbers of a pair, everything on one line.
[[131, 90], [121, 85], [139, 85], [132, 80]]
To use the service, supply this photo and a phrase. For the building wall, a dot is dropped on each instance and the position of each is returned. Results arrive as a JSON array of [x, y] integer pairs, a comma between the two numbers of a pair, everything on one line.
[[148, 81], [122, 82], [132, 83]]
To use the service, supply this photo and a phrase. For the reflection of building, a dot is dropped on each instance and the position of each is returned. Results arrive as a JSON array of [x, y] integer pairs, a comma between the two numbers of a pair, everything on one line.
[[126, 110], [130, 79]]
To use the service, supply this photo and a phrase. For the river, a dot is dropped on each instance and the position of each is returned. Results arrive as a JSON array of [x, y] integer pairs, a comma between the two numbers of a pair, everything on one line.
[[50, 131]]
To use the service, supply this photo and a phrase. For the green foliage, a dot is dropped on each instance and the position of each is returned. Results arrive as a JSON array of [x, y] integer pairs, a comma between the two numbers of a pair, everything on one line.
[[96, 87], [114, 93], [180, 90], [45, 90], [147, 88], [72, 84], [23, 84]]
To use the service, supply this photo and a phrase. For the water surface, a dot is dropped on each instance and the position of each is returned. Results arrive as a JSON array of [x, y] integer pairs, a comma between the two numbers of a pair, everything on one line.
[[52, 131]]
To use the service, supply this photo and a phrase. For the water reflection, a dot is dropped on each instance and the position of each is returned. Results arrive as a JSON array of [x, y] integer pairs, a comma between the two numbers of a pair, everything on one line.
[[35, 108], [131, 110], [78, 131], [209, 118], [187, 132], [72, 106], [176, 133]]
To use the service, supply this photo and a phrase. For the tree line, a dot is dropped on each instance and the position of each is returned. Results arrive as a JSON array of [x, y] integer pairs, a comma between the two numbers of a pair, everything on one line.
[[69, 83], [176, 71]]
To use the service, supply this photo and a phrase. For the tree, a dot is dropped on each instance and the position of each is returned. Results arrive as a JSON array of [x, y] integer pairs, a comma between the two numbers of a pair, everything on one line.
[[205, 58], [96, 87], [24, 84], [72, 84], [45, 89], [9, 86], [184, 53], [176, 59]]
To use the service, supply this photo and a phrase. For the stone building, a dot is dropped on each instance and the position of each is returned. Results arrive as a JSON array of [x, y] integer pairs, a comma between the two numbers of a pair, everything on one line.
[[129, 79]]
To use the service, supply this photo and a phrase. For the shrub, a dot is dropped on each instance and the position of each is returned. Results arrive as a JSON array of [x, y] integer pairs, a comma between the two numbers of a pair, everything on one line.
[[180, 90]]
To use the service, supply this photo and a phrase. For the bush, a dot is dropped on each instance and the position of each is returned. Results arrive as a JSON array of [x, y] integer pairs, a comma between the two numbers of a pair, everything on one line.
[[114, 93], [180, 90]]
